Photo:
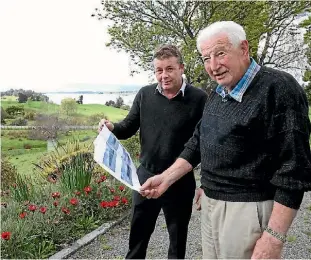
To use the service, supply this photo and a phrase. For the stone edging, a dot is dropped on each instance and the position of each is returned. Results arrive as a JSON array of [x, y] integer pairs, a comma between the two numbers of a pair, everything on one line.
[[66, 252]]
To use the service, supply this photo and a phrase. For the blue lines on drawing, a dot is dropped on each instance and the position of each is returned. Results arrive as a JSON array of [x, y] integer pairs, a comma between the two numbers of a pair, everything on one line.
[[110, 158], [110, 155], [112, 142], [126, 171]]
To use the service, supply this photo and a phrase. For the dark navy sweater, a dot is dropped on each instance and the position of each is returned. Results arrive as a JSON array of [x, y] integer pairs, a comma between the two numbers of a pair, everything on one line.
[[165, 124], [257, 149]]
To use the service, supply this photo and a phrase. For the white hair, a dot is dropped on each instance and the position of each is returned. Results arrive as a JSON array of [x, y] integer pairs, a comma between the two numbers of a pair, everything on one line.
[[235, 32]]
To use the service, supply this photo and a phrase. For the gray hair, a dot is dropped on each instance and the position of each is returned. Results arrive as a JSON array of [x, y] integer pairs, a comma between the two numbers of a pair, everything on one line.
[[235, 32]]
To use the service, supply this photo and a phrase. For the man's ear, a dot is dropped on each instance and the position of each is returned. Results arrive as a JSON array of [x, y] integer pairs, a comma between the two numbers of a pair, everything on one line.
[[245, 47], [182, 67]]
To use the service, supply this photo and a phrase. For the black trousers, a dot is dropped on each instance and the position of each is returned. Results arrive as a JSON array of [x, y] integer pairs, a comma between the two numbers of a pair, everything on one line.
[[176, 203]]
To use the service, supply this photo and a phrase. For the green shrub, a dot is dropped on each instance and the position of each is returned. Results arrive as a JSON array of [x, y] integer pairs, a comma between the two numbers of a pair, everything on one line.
[[55, 162], [23, 190], [15, 110], [94, 119], [27, 146], [30, 115], [76, 173], [8, 173], [4, 115], [19, 122]]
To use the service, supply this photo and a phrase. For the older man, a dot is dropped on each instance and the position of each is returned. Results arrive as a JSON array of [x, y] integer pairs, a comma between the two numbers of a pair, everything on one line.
[[253, 144], [166, 114]]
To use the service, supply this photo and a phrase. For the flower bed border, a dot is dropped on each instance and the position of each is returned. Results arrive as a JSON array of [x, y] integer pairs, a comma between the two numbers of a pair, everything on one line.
[[66, 252]]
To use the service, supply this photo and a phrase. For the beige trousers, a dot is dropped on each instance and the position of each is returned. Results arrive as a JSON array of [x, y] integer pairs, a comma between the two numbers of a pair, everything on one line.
[[231, 229]]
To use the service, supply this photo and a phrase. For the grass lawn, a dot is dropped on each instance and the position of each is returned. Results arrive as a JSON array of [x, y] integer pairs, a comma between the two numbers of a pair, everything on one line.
[[85, 110], [24, 162], [113, 114], [35, 106], [8, 98], [18, 143]]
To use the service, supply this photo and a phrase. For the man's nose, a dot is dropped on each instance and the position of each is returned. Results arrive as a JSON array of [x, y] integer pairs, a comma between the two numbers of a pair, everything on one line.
[[164, 74], [214, 64]]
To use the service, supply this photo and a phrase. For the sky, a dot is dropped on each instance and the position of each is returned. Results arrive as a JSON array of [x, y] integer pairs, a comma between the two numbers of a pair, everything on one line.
[[57, 46]]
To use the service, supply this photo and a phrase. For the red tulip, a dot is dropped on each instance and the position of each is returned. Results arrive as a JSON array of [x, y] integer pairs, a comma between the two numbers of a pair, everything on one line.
[[124, 200], [117, 198], [103, 204], [32, 207], [23, 214], [43, 210], [78, 193], [55, 203], [113, 203], [112, 190], [55, 195], [6, 235], [66, 210], [121, 188], [87, 189], [103, 177], [73, 201]]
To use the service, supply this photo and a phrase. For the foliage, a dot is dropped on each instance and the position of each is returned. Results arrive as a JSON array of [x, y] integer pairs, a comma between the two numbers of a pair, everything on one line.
[[53, 164], [119, 102], [22, 98], [15, 110], [8, 173], [110, 103], [307, 75], [48, 127], [23, 189], [68, 106], [94, 119], [4, 115], [125, 107], [30, 115], [30, 94], [20, 121], [52, 219], [139, 26], [76, 173], [80, 100]]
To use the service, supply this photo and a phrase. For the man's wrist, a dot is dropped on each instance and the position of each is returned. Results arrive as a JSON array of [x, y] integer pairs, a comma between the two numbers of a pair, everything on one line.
[[278, 237]]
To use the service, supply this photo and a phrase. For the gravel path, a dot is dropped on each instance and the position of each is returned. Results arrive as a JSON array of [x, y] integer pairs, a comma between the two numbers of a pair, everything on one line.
[[113, 244]]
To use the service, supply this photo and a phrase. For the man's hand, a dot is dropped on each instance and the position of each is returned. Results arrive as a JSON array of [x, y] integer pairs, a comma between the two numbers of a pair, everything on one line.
[[267, 247], [155, 186], [106, 122], [197, 198]]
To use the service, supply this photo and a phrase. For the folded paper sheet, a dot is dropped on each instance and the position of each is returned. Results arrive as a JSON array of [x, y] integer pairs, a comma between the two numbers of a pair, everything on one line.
[[113, 157]]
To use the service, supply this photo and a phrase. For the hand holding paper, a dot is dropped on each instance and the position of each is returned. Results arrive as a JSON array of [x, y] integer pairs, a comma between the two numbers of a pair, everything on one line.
[[113, 157]]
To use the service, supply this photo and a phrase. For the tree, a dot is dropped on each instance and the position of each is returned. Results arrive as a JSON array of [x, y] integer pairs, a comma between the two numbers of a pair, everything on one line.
[[22, 98], [47, 127], [80, 101], [119, 102], [110, 103], [69, 106], [139, 26]]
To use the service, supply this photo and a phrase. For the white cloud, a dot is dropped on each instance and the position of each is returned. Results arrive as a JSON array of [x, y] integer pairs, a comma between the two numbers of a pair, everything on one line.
[[48, 45]]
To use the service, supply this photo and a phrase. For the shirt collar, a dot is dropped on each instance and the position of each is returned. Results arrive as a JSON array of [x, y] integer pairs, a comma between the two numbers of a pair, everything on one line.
[[239, 90], [182, 89]]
